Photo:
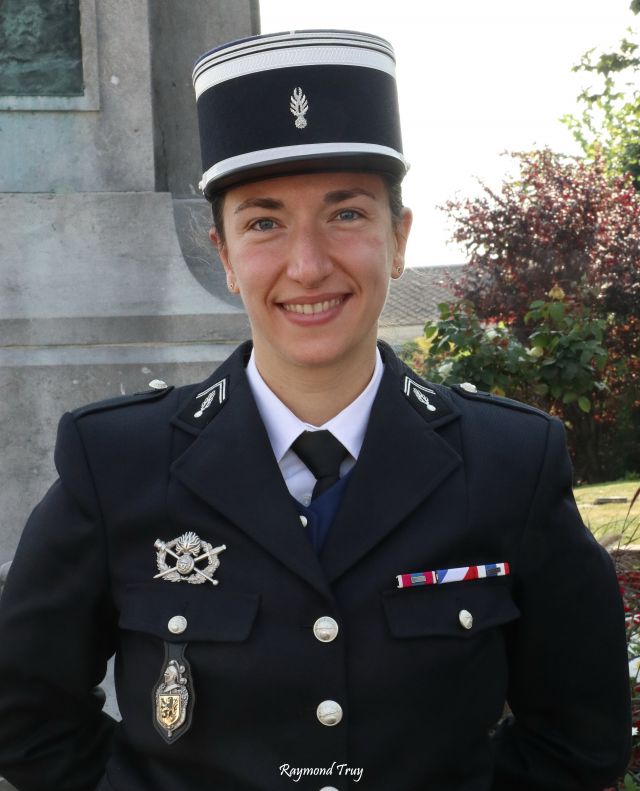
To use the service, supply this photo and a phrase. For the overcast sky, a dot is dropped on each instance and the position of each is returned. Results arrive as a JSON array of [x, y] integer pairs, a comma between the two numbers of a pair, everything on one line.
[[475, 79]]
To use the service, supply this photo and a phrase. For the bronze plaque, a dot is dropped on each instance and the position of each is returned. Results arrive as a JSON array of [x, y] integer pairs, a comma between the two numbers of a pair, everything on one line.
[[40, 48]]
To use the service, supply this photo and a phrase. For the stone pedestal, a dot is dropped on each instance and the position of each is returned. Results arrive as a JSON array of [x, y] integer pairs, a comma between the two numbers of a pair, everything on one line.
[[96, 299], [107, 278]]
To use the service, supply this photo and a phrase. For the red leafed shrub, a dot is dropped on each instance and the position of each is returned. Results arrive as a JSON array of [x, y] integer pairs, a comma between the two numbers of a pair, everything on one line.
[[561, 221], [568, 223]]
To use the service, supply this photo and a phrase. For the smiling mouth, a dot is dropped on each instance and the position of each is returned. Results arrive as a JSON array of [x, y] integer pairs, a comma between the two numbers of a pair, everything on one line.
[[313, 307]]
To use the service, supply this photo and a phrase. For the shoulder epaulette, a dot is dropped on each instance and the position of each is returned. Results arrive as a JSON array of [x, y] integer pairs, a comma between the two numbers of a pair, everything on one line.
[[471, 392], [154, 394]]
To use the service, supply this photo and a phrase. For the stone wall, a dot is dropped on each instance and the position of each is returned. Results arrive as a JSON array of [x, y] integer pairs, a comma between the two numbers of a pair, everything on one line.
[[107, 279]]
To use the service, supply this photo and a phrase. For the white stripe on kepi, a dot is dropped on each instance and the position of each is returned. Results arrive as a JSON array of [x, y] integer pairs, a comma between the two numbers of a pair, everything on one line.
[[294, 39], [295, 153], [269, 59]]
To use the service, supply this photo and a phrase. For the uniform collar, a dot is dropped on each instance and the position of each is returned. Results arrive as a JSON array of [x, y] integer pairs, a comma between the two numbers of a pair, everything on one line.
[[283, 427]]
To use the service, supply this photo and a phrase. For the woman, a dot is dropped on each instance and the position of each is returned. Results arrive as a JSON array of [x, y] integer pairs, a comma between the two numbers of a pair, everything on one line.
[[313, 567]]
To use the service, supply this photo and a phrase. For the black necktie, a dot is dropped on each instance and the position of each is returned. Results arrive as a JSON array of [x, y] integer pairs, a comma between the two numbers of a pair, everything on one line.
[[321, 452]]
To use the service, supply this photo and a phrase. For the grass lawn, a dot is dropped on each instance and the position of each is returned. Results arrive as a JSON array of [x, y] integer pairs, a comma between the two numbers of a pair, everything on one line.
[[612, 517]]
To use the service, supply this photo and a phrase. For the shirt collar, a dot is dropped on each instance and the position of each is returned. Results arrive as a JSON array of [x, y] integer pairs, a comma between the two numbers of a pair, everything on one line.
[[283, 427]]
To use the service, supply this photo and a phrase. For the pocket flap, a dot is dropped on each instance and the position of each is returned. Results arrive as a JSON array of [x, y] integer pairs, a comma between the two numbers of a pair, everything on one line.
[[208, 613], [440, 609]]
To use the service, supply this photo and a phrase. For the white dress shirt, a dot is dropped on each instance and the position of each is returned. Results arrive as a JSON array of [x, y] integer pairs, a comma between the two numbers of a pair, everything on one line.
[[283, 428]]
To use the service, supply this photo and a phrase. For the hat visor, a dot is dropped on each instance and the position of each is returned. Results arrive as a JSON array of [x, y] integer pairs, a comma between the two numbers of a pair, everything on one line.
[[393, 165]]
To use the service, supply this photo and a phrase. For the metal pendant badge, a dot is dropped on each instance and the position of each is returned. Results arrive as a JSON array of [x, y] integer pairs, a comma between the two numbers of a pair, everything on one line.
[[173, 695], [172, 698], [187, 550]]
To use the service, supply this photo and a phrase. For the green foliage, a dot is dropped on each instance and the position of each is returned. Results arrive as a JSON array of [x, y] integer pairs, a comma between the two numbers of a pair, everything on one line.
[[567, 347], [560, 366], [563, 221], [464, 350], [609, 125]]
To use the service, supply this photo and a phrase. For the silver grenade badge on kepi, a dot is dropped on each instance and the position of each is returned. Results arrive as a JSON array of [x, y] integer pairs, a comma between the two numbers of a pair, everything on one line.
[[187, 550], [299, 107]]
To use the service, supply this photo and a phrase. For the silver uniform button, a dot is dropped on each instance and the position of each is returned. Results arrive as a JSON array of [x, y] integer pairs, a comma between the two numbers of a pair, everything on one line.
[[329, 712], [303, 520], [158, 384], [328, 788], [177, 624], [466, 619], [470, 388], [325, 629]]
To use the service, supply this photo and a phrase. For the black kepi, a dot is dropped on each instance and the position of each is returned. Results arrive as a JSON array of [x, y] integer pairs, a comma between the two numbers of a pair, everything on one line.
[[296, 102]]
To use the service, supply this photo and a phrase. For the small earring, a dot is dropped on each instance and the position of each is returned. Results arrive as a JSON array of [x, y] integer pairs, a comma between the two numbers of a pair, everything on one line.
[[231, 286]]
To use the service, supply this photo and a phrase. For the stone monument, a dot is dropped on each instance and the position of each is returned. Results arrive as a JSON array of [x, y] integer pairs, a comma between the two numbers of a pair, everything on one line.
[[107, 278], [40, 48]]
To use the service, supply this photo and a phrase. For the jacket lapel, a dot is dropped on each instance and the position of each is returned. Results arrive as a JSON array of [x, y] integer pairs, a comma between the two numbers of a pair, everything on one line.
[[402, 461], [231, 466]]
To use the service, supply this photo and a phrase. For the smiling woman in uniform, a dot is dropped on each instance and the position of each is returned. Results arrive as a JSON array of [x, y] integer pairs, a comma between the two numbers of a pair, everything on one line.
[[313, 567], [312, 256]]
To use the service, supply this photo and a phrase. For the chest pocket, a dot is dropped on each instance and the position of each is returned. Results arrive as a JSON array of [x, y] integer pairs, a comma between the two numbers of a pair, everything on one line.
[[179, 613], [457, 609]]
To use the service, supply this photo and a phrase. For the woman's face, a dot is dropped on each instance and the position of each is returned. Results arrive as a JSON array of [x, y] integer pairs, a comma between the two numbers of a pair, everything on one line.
[[312, 255]]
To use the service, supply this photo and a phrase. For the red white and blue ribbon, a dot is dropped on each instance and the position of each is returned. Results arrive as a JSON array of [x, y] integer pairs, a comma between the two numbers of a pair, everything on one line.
[[439, 576]]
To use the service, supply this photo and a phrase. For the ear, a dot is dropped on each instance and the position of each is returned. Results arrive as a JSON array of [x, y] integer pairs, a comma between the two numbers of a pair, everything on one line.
[[401, 232], [223, 253], [220, 246]]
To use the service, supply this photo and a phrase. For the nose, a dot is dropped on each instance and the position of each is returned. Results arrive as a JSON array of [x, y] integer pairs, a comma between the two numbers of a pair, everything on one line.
[[309, 261]]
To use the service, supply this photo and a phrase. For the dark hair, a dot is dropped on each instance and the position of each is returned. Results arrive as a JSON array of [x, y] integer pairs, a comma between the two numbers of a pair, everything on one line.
[[217, 206], [394, 193]]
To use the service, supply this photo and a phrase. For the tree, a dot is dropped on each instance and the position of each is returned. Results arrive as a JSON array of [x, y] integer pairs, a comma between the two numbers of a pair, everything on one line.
[[560, 221], [609, 126], [567, 223]]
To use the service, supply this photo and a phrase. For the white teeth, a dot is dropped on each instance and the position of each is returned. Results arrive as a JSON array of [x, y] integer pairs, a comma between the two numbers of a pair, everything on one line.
[[315, 307]]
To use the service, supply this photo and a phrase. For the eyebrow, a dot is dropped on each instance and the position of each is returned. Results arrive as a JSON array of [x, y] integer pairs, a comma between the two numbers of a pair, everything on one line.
[[259, 203], [336, 196]]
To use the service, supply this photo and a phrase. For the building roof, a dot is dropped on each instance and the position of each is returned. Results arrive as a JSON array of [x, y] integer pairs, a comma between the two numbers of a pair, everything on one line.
[[414, 298]]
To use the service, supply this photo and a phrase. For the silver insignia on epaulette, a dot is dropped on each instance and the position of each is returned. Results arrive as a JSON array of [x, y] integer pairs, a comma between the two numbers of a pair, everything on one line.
[[218, 390], [187, 550], [299, 107], [420, 392]]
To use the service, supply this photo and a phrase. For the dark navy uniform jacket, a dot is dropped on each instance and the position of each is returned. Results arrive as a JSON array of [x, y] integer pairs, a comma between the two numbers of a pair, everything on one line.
[[446, 480]]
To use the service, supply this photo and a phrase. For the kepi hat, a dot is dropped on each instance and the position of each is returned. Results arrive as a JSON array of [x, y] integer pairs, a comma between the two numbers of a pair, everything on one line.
[[293, 102]]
